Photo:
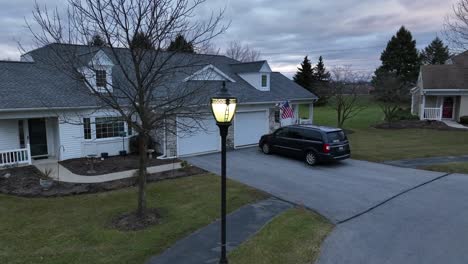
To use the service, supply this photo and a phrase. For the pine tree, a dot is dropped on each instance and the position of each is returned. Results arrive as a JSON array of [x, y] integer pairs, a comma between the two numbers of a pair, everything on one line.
[[321, 82], [435, 53], [305, 75], [320, 72], [141, 41], [97, 41], [180, 44], [401, 57]]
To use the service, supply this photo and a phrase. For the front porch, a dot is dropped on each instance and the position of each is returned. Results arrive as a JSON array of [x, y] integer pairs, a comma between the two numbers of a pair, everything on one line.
[[438, 107], [24, 140]]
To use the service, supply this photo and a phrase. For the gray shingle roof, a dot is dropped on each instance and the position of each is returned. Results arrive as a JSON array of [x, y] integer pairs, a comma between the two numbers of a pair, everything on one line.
[[244, 67], [450, 76], [39, 85]]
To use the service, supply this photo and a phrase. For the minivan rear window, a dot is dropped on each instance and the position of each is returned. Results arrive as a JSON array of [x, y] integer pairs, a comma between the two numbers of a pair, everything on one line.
[[336, 136]]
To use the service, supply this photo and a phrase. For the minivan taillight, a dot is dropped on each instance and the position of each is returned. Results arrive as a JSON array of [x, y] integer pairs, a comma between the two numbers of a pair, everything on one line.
[[326, 148]]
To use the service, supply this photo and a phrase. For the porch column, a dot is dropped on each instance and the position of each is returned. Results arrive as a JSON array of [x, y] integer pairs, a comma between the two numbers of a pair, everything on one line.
[[28, 147], [423, 105]]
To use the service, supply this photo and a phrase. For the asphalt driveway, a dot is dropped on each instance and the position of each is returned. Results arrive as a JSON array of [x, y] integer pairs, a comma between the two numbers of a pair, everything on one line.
[[337, 191], [383, 214]]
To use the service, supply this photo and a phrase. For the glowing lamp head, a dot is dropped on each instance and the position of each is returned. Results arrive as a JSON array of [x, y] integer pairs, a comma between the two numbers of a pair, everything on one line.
[[223, 106]]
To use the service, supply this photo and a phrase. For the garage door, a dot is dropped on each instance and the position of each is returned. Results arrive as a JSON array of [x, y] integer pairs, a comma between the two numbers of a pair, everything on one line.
[[249, 127], [201, 140]]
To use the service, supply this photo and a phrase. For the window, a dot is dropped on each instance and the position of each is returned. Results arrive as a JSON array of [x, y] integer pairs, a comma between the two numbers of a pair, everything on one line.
[[312, 135], [336, 136], [130, 130], [87, 128], [277, 115], [21, 133], [282, 132], [294, 134], [264, 80], [101, 78], [108, 127]]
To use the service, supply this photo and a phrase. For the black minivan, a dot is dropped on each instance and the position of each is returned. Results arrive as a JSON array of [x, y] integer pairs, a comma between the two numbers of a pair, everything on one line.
[[312, 143]]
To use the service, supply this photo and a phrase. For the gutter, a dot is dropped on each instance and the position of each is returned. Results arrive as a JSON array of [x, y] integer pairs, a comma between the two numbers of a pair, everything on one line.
[[46, 108]]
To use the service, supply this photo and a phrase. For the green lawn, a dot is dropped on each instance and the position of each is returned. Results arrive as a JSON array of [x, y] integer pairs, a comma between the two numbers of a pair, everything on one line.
[[373, 144], [292, 237], [454, 167], [75, 229]]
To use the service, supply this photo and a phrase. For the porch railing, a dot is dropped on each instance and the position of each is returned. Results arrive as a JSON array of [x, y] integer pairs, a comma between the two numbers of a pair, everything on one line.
[[434, 113], [15, 157], [305, 121]]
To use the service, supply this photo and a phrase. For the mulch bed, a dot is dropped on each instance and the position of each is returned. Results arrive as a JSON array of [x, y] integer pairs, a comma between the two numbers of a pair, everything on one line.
[[24, 182], [426, 124], [111, 164], [131, 221]]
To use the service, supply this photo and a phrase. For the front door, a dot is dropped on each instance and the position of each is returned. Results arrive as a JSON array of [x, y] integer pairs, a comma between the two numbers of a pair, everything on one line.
[[447, 108], [37, 137]]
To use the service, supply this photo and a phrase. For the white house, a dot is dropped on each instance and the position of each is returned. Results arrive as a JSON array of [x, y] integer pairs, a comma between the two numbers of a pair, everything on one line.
[[45, 113], [442, 90]]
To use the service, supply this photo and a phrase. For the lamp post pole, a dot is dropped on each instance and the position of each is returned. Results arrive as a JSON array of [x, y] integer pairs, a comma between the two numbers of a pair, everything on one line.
[[223, 130], [223, 106]]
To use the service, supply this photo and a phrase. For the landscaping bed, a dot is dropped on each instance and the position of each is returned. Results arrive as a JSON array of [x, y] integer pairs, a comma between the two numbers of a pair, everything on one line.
[[111, 164], [426, 124], [24, 181]]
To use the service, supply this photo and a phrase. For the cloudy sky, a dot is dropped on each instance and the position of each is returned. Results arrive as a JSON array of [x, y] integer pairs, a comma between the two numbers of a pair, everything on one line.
[[344, 32]]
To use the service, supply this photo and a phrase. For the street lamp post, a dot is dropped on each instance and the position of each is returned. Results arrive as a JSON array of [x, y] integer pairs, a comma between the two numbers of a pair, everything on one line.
[[223, 106]]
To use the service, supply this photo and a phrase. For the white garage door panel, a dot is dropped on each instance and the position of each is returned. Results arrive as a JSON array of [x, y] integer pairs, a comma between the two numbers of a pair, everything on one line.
[[249, 127], [205, 139]]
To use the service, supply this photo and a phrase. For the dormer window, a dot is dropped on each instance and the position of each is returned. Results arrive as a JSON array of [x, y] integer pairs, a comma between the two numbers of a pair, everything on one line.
[[101, 78], [264, 80]]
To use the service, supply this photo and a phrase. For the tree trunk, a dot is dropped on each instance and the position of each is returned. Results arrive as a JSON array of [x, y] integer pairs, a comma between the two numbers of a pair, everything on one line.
[[143, 162]]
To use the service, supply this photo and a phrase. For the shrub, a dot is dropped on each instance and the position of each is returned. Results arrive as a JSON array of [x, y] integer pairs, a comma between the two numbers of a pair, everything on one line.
[[134, 144], [464, 120], [403, 114]]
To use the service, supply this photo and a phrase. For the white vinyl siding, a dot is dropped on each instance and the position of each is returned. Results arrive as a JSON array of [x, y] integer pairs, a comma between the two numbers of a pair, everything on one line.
[[9, 136]]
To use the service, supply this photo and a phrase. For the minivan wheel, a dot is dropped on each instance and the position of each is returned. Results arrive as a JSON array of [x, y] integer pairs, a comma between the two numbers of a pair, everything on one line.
[[266, 148], [311, 158]]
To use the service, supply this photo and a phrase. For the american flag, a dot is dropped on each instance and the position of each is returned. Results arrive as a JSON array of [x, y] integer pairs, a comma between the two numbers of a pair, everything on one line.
[[286, 111]]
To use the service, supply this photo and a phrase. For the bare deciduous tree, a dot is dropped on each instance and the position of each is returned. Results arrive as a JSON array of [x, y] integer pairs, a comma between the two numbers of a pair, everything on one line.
[[456, 26], [241, 52], [391, 93], [344, 88], [143, 89]]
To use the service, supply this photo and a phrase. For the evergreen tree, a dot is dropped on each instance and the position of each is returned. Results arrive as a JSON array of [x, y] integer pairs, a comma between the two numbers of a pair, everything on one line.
[[141, 41], [180, 44], [320, 72], [305, 75], [321, 82], [401, 57], [97, 41], [435, 53]]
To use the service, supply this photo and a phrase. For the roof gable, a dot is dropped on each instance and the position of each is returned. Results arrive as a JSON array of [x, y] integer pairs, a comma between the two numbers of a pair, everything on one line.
[[209, 73]]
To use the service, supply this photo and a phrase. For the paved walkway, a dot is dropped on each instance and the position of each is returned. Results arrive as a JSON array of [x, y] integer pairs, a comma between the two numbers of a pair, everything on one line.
[[454, 124], [203, 245], [62, 174], [415, 163]]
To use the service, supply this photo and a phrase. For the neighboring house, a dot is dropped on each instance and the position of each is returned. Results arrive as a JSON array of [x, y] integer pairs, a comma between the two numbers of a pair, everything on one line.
[[442, 90], [44, 113]]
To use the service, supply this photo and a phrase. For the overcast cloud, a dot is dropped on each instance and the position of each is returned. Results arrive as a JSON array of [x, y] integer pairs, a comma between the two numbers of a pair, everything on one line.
[[343, 32]]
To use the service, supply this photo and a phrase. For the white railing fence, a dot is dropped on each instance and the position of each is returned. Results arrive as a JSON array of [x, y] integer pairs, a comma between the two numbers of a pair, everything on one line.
[[15, 157], [434, 113]]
